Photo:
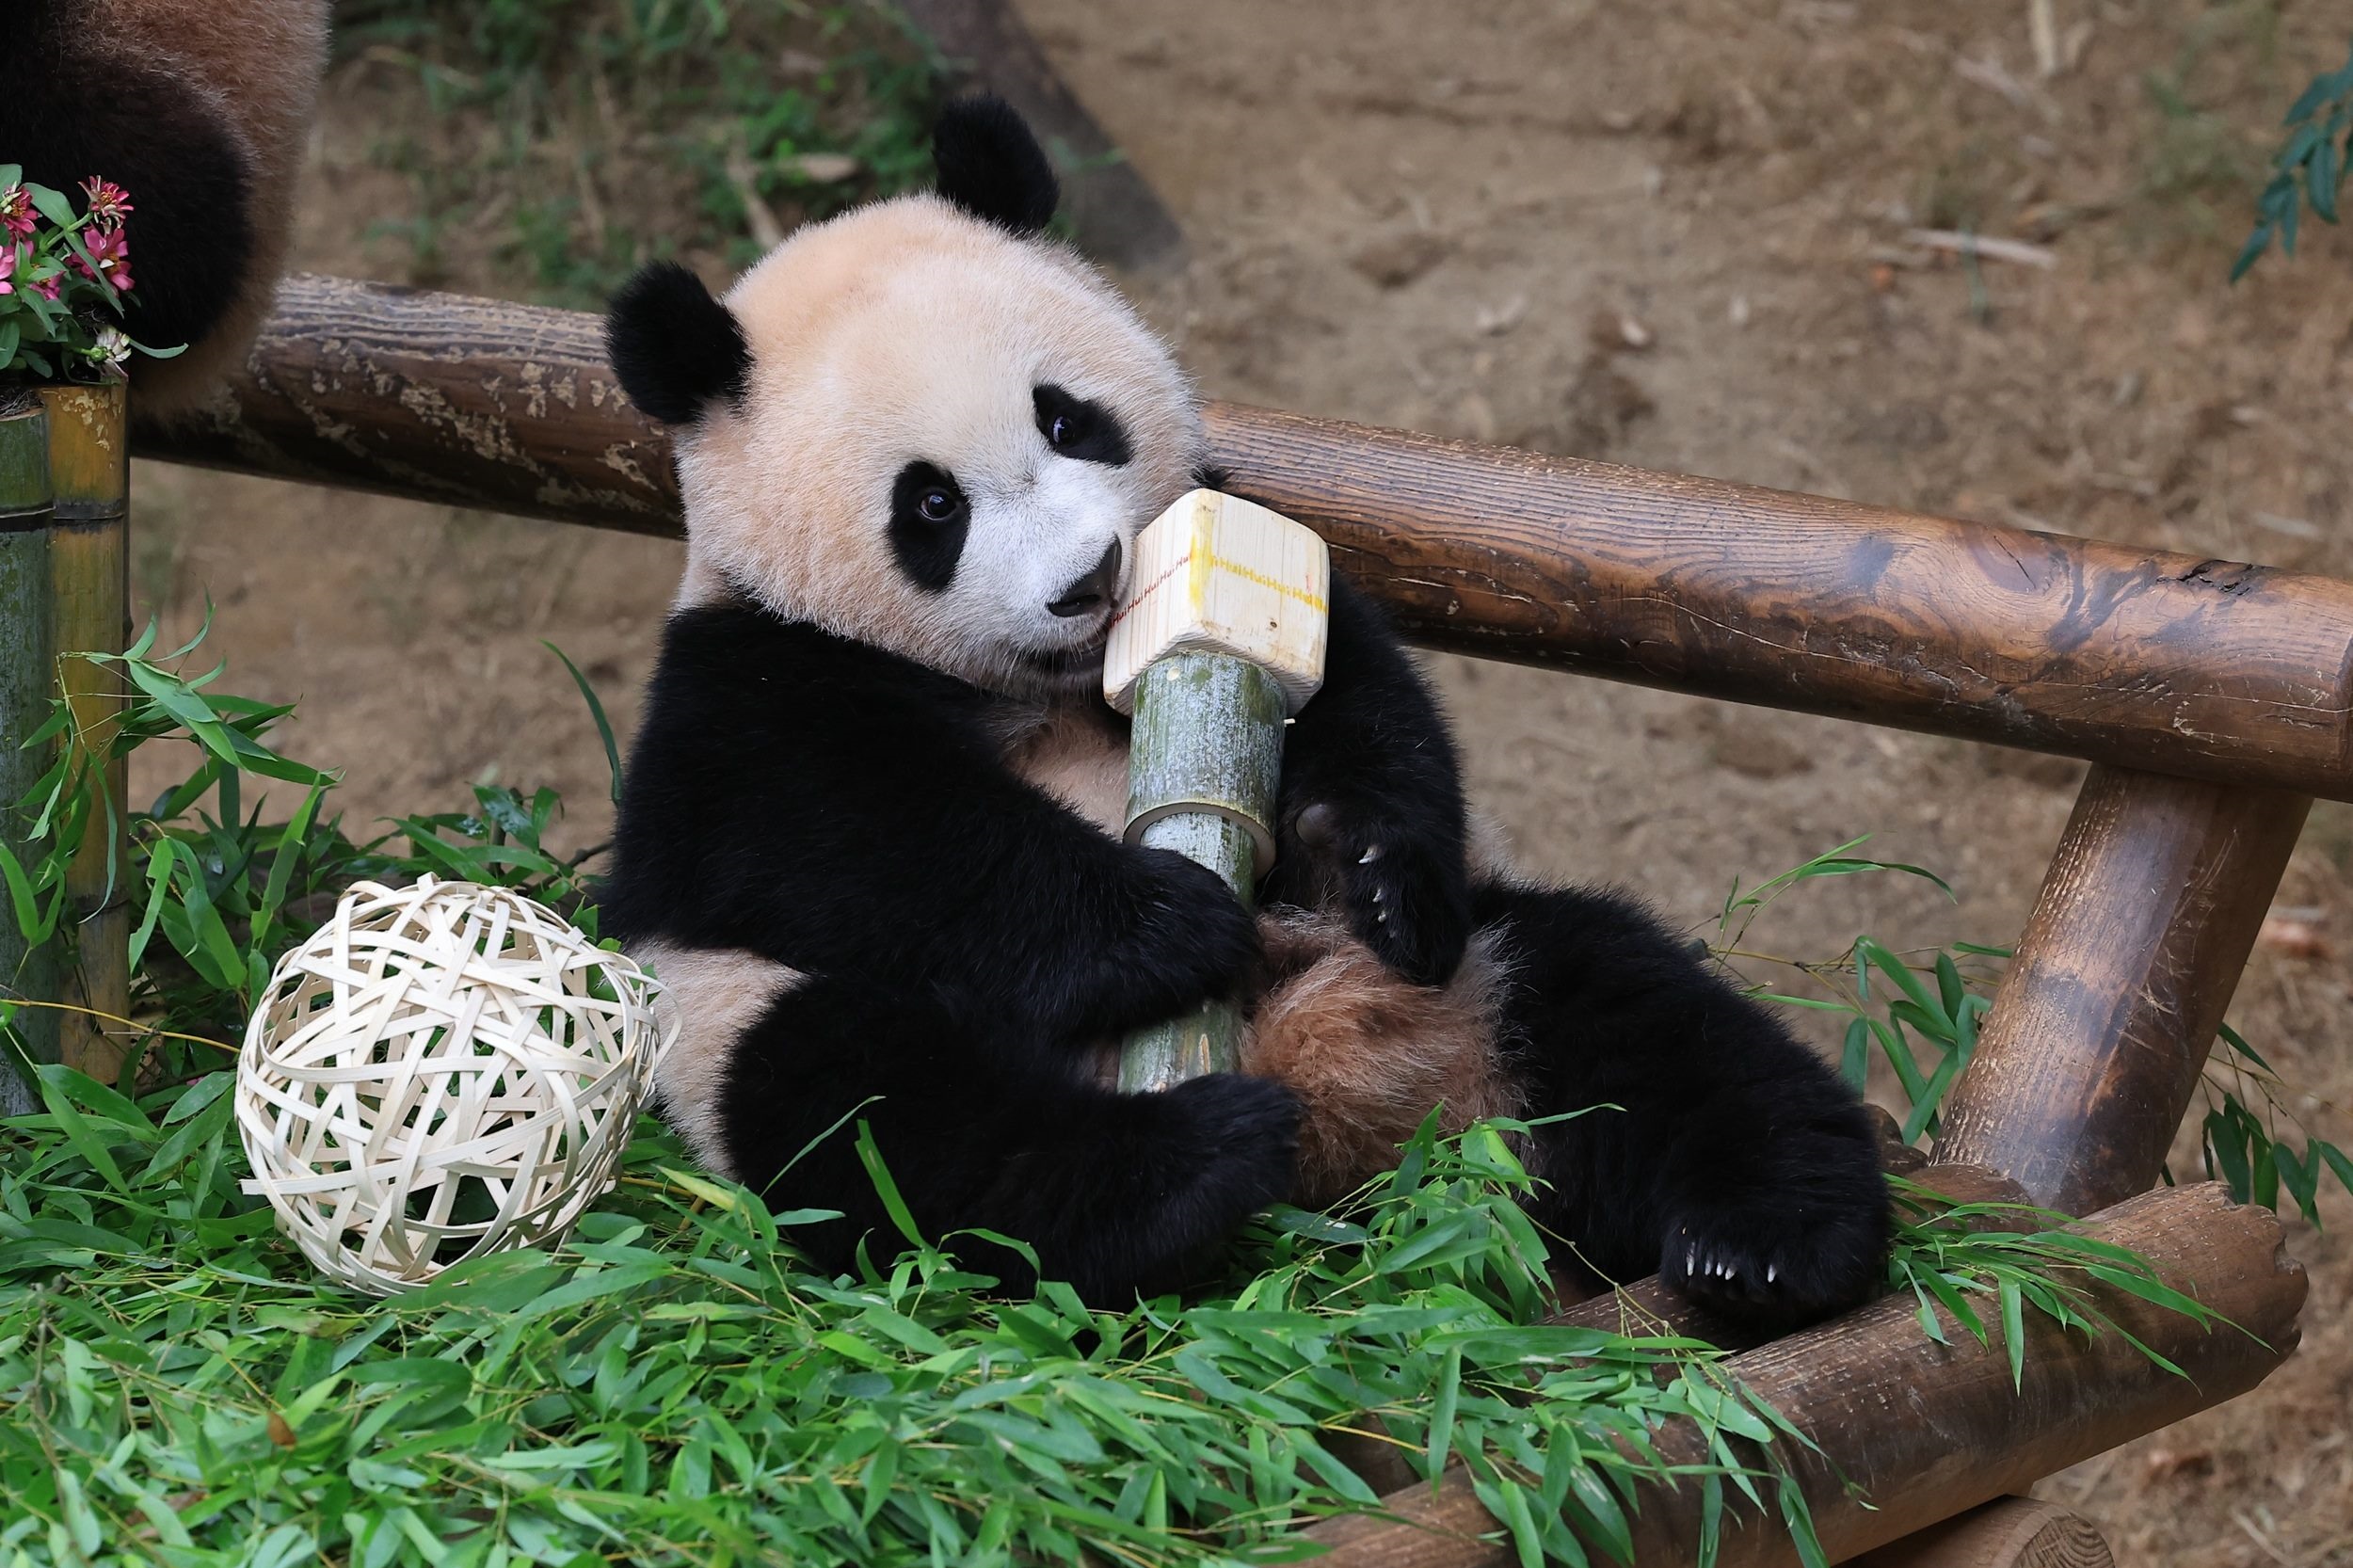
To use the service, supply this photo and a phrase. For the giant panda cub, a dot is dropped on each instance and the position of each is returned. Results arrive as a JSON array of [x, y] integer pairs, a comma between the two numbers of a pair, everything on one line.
[[869, 834]]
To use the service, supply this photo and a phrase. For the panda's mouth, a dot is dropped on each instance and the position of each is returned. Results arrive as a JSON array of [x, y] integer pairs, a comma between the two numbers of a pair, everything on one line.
[[1067, 662]]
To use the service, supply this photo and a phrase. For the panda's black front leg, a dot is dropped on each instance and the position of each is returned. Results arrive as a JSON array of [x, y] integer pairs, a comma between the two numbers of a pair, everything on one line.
[[1372, 810]]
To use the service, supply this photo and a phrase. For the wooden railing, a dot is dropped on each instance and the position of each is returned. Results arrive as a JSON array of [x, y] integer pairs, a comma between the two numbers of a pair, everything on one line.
[[2214, 699]]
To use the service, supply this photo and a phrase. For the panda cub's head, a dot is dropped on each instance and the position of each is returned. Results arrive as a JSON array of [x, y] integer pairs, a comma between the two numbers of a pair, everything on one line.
[[921, 425]]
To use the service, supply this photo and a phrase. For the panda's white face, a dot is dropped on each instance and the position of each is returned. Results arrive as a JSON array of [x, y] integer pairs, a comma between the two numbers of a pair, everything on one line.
[[947, 441]]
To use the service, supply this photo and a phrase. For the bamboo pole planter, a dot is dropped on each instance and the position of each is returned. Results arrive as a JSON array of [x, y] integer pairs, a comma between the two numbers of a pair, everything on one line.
[[2216, 697], [26, 657], [90, 466]]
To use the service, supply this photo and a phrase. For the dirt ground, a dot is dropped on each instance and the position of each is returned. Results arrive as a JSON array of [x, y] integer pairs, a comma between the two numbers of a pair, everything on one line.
[[1672, 233]]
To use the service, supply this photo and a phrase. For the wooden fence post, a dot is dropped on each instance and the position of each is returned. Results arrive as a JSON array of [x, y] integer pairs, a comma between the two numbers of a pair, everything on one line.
[[2102, 1024], [90, 467], [27, 659]]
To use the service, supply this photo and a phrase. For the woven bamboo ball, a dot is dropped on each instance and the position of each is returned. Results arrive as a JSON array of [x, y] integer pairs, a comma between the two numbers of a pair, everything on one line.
[[443, 1070]]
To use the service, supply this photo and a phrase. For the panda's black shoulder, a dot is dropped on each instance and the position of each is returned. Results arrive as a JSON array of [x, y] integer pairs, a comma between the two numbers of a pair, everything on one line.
[[758, 732], [747, 712], [734, 657]]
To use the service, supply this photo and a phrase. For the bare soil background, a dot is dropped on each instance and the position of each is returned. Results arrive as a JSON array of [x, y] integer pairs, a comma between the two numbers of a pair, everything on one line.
[[1668, 233]]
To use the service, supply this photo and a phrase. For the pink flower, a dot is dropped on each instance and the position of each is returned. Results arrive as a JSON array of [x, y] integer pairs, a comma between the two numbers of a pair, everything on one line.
[[111, 249], [47, 287], [8, 265], [16, 214], [109, 203]]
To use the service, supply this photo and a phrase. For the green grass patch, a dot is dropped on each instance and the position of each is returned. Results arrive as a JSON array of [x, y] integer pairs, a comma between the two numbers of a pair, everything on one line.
[[675, 1386]]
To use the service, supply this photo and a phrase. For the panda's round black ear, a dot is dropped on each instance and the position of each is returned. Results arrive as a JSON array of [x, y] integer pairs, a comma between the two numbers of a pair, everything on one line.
[[673, 346], [992, 167]]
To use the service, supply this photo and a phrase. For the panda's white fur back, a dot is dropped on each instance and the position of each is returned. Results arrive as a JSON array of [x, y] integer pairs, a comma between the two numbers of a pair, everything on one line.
[[709, 998]]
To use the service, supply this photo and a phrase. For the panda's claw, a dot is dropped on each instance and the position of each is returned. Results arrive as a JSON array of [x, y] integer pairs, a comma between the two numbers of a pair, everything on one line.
[[1770, 1266], [1405, 891]]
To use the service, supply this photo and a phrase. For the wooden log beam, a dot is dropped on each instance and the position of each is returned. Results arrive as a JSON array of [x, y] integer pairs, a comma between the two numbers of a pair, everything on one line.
[[2105, 1017], [2008, 1532], [2201, 669], [1928, 1430]]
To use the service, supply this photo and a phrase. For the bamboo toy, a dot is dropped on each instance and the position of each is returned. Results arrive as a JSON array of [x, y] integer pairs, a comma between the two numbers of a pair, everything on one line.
[[1220, 642], [25, 660]]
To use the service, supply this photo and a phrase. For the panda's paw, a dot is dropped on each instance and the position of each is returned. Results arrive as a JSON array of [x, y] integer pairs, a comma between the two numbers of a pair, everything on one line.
[[1407, 892], [1774, 1267], [1248, 1128], [1193, 938]]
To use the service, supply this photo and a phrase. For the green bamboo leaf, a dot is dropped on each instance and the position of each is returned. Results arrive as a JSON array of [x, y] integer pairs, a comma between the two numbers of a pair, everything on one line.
[[1854, 1055], [595, 711], [2014, 1332], [884, 1188], [2226, 1143], [2231, 1038], [1443, 1401], [2339, 1164], [2301, 1178], [60, 1086]]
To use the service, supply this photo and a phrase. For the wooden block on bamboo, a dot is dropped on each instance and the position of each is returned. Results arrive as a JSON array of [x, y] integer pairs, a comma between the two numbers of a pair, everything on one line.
[[1218, 574]]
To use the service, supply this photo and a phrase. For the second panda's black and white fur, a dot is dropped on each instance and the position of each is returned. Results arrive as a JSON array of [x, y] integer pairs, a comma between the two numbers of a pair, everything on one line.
[[201, 109], [869, 833]]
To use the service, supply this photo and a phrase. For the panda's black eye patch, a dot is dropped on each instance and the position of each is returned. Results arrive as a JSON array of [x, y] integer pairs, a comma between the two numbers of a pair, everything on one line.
[[1076, 428], [929, 518]]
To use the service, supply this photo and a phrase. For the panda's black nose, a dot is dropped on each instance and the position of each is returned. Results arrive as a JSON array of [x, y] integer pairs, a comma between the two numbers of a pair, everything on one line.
[[1093, 590]]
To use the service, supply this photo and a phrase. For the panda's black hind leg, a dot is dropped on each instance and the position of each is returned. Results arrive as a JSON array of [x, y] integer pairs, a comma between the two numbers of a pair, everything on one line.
[[1117, 1194], [1737, 1164]]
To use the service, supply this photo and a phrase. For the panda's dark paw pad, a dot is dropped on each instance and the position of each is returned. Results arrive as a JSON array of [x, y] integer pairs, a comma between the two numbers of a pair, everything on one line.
[[1407, 894], [1771, 1268]]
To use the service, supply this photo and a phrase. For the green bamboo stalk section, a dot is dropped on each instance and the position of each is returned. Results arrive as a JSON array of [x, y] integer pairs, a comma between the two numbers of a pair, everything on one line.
[[1204, 764], [25, 658], [90, 469]]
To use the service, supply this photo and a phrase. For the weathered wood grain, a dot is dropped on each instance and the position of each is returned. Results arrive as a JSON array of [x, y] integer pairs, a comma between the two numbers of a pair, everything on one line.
[[1928, 1430], [2104, 1018], [2008, 1532], [2210, 668], [2202, 668]]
